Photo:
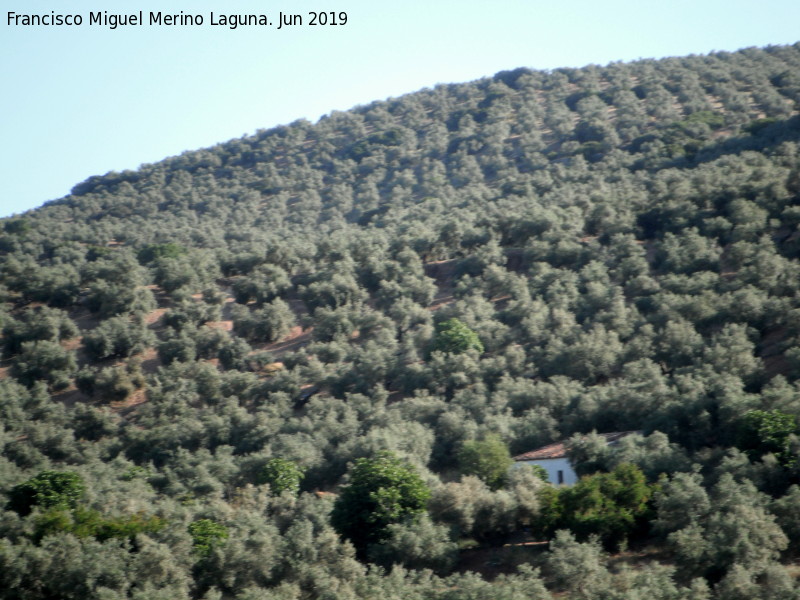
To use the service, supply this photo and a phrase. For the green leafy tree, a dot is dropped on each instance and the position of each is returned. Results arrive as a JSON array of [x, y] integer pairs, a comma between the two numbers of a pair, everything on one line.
[[455, 337], [282, 476], [763, 431], [206, 535], [48, 489], [610, 505], [540, 472], [489, 459], [550, 510], [83, 522], [381, 491]]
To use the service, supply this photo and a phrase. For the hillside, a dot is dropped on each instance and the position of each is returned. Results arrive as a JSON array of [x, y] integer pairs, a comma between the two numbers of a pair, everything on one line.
[[250, 371]]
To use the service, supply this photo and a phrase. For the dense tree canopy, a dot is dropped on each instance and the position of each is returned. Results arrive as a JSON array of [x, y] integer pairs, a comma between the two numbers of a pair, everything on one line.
[[249, 371], [381, 491]]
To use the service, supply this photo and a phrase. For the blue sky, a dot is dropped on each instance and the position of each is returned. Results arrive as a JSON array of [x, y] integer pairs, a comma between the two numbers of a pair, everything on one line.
[[82, 101]]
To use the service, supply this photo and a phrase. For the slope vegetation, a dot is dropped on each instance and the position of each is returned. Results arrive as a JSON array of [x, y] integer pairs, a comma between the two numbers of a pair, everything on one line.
[[199, 355]]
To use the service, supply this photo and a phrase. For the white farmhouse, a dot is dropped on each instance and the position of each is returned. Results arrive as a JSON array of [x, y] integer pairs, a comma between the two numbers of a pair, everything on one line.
[[553, 458]]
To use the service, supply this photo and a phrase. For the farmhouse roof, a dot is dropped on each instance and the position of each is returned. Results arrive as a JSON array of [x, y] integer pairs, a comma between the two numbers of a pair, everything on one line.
[[559, 449]]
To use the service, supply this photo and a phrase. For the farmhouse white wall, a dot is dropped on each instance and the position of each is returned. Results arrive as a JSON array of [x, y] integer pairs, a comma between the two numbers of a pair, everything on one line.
[[553, 466]]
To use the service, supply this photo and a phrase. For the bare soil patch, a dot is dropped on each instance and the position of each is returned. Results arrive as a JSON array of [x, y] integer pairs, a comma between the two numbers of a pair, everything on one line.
[[296, 339]]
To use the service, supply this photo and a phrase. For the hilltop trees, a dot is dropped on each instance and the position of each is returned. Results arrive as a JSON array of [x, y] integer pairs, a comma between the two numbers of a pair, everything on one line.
[[233, 348]]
